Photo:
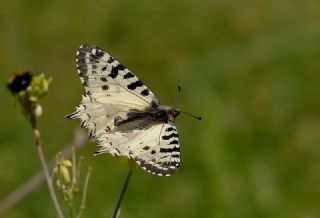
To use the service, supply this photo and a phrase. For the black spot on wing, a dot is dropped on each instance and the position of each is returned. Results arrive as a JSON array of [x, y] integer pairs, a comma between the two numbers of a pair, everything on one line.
[[105, 87], [115, 70], [103, 79], [128, 75], [169, 150], [99, 53], [85, 83], [174, 142], [110, 60], [166, 137], [134, 85], [93, 59], [145, 92], [146, 148], [170, 129]]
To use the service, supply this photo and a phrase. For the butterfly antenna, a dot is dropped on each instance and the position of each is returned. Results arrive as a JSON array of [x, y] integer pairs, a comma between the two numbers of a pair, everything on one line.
[[194, 116], [191, 115], [177, 95]]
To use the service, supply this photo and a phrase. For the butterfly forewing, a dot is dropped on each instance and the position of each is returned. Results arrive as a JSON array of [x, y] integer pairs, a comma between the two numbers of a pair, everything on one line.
[[121, 114], [101, 73]]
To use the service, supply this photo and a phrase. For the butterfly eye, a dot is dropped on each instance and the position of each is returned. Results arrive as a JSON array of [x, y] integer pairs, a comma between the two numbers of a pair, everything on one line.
[[175, 113]]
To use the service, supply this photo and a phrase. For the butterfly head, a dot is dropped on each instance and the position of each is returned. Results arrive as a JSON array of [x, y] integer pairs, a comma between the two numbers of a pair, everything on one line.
[[174, 112], [170, 112]]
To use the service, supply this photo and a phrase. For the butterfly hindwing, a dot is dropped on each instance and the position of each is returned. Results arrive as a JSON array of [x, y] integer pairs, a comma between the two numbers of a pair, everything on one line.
[[157, 150]]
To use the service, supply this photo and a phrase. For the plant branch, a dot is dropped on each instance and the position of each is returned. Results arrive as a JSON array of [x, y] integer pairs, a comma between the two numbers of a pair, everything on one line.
[[84, 195], [36, 134], [124, 189]]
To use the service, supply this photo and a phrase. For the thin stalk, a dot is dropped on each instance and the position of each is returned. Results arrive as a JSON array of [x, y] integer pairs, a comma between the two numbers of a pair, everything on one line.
[[84, 196], [36, 134], [74, 166], [124, 189]]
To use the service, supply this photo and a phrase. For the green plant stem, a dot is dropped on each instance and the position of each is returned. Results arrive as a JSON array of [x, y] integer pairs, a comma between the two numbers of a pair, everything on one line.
[[124, 189], [36, 134], [84, 196], [74, 166]]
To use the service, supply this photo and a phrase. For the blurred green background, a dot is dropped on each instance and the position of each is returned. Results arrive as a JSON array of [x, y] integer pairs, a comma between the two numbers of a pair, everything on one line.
[[250, 68]]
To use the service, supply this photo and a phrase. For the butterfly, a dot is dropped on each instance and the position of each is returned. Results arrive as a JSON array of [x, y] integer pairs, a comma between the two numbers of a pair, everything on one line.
[[123, 116]]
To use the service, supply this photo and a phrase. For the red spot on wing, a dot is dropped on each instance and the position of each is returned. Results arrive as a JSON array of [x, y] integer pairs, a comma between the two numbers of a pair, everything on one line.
[[108, 129]]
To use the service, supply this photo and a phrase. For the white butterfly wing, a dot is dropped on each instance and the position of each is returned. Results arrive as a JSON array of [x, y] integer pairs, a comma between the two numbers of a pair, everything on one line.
[[157, 150], [101, 74]]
